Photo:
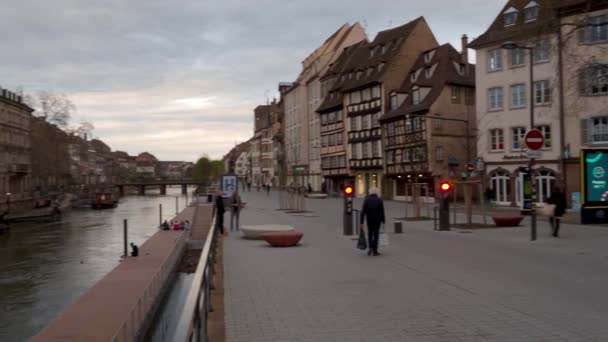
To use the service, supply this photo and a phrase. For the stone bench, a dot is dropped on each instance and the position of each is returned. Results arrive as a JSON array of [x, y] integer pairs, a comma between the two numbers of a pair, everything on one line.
[[283, 239], [255, 231], [507, 221]]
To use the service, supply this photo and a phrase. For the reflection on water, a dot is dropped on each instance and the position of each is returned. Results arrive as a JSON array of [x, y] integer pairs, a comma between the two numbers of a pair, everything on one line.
[[46, 266]]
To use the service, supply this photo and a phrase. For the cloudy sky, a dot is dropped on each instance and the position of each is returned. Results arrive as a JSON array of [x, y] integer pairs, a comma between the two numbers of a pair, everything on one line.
[[180, 78]]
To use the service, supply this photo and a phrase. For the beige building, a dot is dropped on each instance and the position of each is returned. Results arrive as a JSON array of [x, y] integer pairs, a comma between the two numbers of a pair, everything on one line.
[[15, 163], [503, 99], [585, 56], [302, 128]]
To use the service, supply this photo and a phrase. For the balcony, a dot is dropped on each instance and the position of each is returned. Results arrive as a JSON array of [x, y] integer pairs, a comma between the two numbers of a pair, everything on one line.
[[19, 168], [367, 163], [368, 134]]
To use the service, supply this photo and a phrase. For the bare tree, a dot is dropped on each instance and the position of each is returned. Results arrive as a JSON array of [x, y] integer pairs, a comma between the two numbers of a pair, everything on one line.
[[56, 108]]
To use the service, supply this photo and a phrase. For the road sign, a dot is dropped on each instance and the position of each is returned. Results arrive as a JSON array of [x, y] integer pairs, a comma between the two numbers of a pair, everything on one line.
[[534, 139], [533, 154], [470, 167]]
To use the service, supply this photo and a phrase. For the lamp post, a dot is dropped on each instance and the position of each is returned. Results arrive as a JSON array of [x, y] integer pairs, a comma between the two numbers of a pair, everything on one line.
[[509, 45]]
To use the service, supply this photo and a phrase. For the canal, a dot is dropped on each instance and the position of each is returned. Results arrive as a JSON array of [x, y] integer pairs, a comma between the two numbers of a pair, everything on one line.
[[45, 266]]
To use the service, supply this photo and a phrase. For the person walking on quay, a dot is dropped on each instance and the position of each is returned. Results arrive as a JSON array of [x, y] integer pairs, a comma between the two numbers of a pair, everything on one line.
[[268, 189], [219, 211], [236, 204], [559, 200], [373, 211]]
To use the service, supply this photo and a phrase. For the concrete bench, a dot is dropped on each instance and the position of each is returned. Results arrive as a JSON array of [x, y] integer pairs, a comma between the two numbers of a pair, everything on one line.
[[507, 221], [283, 239], [255, 231]]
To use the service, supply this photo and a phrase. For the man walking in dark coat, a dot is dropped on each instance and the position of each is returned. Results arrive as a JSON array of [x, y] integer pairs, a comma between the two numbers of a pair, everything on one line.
[[373, 210], [559, 200], [219, 207]]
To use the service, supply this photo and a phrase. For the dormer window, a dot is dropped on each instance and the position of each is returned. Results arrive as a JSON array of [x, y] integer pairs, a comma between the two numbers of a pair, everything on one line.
[[370, 70], [380, 67], [383, 49], [393, 101], [415, 95], [428, 72], [359, 74], [510, 17], [350, 75], [429, 56], [372, 52], [531, 11]]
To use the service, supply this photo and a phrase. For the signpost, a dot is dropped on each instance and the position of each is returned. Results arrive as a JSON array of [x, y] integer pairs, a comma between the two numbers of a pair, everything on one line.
[[534, 140]]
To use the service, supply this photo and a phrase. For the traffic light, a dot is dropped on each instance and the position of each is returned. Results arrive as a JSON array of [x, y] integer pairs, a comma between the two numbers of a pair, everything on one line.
[[445, 187], [349, 191]]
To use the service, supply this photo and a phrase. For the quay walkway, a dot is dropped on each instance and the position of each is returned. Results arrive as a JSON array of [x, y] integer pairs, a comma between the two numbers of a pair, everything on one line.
[[426, 286], [120, 304]]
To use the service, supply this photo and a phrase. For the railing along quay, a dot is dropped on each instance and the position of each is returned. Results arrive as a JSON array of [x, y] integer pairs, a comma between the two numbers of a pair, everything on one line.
[[192, 324]]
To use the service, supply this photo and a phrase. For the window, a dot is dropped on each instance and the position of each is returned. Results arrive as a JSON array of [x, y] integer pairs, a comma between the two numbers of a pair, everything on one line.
[[364, 150], [365, 124], [531, 11], [376, 149], [517, 134], [495, 98], [372, 52], [495, 60], [339, 138], [596, 34], [496, 140], [353, 124], [518, 96], [384, 48], [415, 95], [376, 92], [542, 92], [599, 129], [429, 56], [455, 94], [380, 67], [390, 157], [366, 94], [339, 115], [376, 120], [323, 118], [324, 140], [594, 80], [370, 71], [355, 97], [331, 117], [331, 140], [393, 101], [439, 153], [541, 51], [359, 74], [510, 16], [546, 131], [518, 57]]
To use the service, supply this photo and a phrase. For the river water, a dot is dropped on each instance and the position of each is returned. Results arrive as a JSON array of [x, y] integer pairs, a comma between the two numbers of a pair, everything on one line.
[[46, 266]]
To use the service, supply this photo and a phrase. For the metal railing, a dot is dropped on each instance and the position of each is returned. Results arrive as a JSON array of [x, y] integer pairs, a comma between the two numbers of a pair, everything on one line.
[[192, 324], [132, 327]]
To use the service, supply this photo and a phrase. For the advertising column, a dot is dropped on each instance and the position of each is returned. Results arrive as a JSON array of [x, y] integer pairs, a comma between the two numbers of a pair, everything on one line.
[[594, 186]]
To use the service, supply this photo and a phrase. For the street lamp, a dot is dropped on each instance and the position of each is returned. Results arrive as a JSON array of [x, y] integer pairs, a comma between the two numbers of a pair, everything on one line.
[[509, 45]]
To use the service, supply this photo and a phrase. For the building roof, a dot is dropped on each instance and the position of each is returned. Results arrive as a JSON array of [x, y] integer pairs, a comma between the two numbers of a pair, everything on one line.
[[545, 23], [572, 7], [334, 98], [447, 60], [367, 59]]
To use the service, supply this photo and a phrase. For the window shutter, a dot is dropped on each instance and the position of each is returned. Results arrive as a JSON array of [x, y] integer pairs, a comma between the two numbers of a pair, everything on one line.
[[585, 132]]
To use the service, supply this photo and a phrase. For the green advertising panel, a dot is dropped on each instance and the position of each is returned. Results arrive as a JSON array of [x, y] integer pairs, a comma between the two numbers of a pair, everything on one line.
[[596, 176]]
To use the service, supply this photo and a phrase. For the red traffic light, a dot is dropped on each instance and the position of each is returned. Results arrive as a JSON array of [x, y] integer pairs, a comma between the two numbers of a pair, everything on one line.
[[445, 186], [348, 190]]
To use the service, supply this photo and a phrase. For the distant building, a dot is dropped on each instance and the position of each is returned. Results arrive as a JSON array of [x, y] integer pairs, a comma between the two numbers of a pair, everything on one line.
[[146, 165], [15, 162]]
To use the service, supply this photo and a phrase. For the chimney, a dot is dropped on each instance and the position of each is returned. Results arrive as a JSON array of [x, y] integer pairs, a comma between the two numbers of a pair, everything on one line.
[[465, 50]]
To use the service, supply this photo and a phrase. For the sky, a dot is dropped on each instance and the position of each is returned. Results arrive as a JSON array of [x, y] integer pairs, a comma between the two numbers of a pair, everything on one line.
[[180, 78]]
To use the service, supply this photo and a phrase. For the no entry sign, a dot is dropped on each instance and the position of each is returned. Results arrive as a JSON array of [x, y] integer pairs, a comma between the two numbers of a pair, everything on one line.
[[534, 139], [470, 167]]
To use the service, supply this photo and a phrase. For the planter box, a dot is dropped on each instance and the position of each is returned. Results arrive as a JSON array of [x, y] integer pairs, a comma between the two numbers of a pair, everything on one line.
[[507, 221]]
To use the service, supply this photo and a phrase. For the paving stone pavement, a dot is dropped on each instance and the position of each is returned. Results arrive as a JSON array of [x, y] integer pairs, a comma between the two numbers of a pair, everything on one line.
[[486, 285]]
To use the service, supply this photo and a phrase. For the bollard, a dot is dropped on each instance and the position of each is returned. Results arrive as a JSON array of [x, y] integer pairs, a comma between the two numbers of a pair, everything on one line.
[[176, 205], [160, 214], [125, 236]]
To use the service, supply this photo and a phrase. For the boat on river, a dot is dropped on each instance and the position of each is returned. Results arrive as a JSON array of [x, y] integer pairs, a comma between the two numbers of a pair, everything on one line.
[[52, 211], [104, 200]]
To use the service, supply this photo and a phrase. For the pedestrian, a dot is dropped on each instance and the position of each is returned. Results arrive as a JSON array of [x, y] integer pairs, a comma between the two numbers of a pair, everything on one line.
[[268, 189], [165, 225], [219, 211], [258, 186], [236, 204], [373, 211], [309, 188], [249, 186], [559, 200]]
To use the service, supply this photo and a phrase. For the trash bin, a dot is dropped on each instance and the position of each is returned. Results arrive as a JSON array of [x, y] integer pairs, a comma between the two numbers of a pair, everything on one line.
[[209, 198]]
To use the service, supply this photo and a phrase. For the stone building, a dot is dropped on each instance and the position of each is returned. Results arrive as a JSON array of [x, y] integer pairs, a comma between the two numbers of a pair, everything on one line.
[[15, 148]]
